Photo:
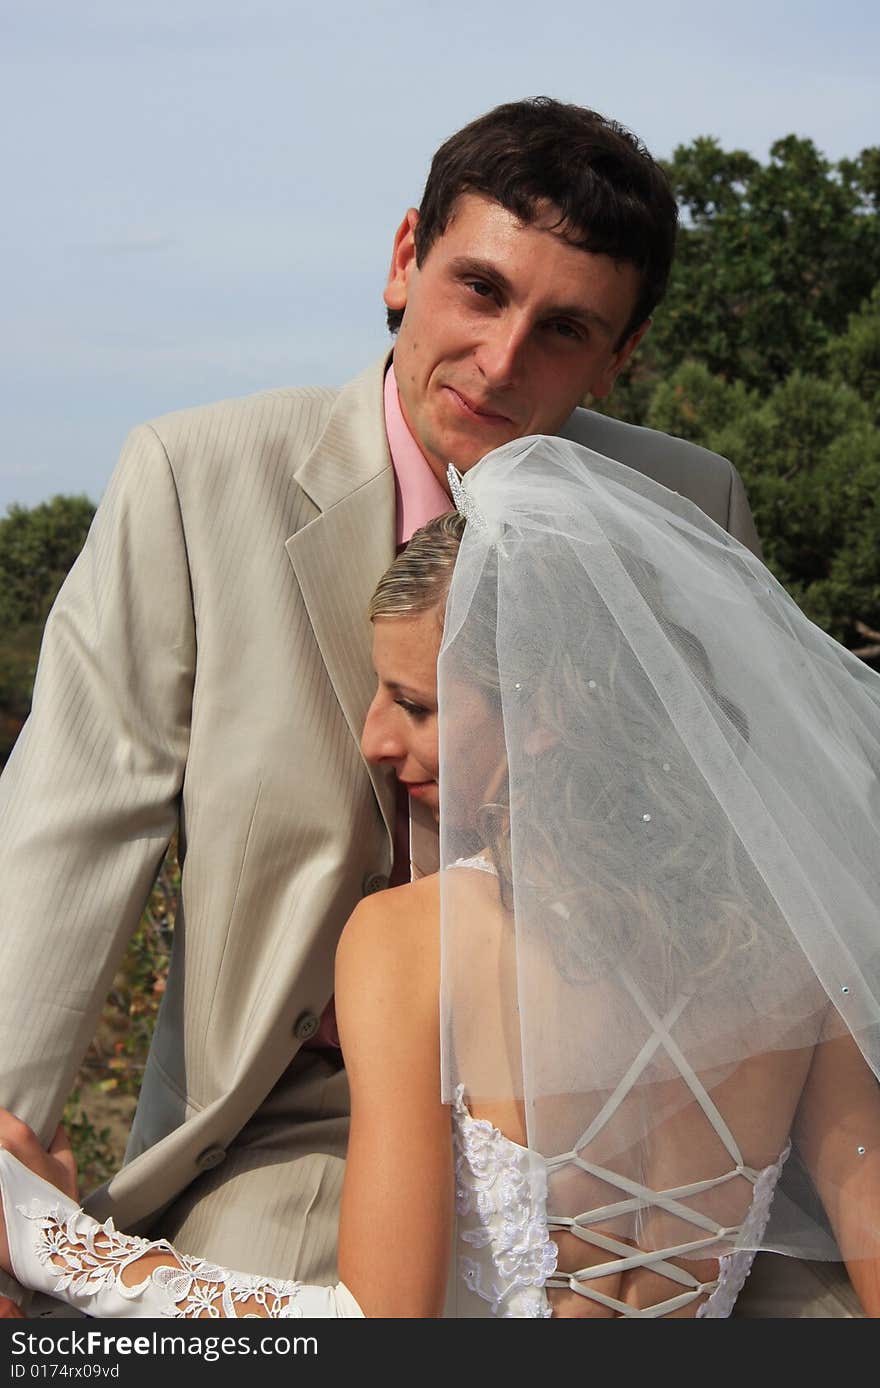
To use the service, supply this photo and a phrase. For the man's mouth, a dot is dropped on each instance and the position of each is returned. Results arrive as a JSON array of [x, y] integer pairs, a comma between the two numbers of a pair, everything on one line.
[[475, 410]]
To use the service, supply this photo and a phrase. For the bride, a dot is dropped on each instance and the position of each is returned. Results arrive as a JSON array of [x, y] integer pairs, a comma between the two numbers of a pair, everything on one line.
[[642, 996]]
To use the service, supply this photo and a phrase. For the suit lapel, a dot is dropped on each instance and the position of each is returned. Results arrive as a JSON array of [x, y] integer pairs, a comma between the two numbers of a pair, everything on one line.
[[424, 842], [340, 555]]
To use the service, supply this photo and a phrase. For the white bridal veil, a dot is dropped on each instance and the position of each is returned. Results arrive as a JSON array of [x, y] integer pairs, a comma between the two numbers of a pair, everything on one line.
[[674, 775]]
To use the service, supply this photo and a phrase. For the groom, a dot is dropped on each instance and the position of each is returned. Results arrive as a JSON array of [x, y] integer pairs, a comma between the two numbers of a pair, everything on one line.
[[206, 671]]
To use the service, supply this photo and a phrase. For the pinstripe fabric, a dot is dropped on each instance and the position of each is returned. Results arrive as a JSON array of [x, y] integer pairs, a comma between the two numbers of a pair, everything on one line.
[[182, 671], [272, 1205], [208, 661]]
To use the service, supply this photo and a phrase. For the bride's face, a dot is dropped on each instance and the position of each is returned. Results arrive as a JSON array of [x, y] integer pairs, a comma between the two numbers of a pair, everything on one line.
[[400, 731]]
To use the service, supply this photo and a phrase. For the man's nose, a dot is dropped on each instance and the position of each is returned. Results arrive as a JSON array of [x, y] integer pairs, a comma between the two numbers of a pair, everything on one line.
[[500, 354], [379, 741]]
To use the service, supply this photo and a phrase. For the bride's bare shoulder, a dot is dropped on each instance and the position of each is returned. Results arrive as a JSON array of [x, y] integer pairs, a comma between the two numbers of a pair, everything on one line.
[[393, 934], [405, 921], [388, 971], [388, 983]]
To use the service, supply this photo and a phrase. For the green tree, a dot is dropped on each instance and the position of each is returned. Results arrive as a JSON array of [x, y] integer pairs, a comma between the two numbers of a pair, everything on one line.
[[809, 454], [854, 357], [767, 350], [37, 548], [773, 261]]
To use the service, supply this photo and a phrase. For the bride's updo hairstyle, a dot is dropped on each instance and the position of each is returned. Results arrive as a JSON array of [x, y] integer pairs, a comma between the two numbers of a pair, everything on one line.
[[419, 577], [418, 581], [565, 754]]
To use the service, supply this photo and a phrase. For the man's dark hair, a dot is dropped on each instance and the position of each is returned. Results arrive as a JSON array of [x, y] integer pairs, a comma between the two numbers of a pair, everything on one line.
[[613, 199]]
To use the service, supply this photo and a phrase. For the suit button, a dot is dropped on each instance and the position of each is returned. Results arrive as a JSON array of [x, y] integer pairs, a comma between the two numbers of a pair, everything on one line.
[[305, 1026], [376, 882], [211, 1157]]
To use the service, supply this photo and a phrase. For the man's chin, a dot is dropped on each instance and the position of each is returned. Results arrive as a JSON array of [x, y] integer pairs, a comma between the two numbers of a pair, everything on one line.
[[466, 457]]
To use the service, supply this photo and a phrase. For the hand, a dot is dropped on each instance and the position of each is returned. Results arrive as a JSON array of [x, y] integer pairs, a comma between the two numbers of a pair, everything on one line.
[[8, 1309], [57, 1166]]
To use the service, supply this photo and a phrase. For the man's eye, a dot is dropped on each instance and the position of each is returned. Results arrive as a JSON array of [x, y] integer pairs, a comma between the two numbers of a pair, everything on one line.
[[568, 330], [480, 287]]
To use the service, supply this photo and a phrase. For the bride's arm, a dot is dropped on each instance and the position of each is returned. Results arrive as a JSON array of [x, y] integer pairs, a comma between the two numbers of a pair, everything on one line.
[[51, 1245], [397, 1205], [396, 1222], [837, 1129]]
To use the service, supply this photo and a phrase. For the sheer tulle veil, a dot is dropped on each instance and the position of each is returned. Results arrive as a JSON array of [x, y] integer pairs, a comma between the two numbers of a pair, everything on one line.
[[674, 774]]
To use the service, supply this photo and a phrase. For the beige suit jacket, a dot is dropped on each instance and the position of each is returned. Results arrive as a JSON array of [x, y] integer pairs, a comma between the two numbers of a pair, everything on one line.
[[207, 664]]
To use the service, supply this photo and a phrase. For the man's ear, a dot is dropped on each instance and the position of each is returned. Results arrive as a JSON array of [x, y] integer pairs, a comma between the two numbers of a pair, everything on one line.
[[601, 387], [403, 259]]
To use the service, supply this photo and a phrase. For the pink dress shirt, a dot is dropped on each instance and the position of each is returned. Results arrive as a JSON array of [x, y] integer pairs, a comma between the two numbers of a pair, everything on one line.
[[420, 497]]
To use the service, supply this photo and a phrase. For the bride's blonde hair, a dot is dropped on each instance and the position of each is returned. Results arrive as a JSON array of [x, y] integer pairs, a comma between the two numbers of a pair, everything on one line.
[[417, 581], [419, 577]]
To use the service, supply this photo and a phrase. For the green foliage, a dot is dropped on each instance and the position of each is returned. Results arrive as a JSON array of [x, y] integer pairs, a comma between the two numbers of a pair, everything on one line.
[[773, 262], [809, 454], [37, 548], [782, 450], [694, 404], [19, 648], [99, 1111], [772, 258], [767, 350], [854, 357], [96, 1155]]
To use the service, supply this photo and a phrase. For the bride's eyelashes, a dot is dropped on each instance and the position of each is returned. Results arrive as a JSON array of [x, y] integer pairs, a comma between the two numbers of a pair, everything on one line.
[[418, 712]]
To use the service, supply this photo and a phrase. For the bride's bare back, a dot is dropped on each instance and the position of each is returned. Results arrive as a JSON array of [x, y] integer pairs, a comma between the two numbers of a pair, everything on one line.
[[399, 1175]]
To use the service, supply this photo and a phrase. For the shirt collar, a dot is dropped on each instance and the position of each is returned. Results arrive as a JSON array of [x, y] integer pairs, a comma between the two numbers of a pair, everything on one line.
[[420, 497]]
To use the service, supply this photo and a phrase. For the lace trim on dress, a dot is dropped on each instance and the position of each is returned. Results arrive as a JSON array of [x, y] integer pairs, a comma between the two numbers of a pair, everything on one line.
[[502, 1189], [734, 1268], [86, 1262]]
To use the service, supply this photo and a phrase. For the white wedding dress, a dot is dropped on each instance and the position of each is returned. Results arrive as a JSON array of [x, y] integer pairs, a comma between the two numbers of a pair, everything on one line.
[[504, 1254], [504, 1257]]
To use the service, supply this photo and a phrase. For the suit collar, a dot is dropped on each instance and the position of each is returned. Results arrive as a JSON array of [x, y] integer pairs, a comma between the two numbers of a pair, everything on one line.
[[340, 556], [352, 449]]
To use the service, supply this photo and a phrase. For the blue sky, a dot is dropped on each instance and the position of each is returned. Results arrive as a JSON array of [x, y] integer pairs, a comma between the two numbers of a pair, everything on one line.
[[200, 196]]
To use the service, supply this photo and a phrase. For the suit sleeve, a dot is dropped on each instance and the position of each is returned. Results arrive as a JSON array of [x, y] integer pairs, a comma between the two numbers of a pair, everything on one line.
[[89, 798]]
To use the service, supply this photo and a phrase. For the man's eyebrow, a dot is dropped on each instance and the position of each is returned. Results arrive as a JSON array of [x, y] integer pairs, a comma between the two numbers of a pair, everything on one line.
[[485, 270]]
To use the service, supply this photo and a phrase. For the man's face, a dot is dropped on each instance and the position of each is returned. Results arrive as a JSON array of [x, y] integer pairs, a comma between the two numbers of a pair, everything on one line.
[[506, 328]]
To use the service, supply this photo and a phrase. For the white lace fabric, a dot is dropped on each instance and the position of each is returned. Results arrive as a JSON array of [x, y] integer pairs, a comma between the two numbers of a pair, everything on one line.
[[83, 1259], [58, 1249], [501, 1203], [509, 1259]]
